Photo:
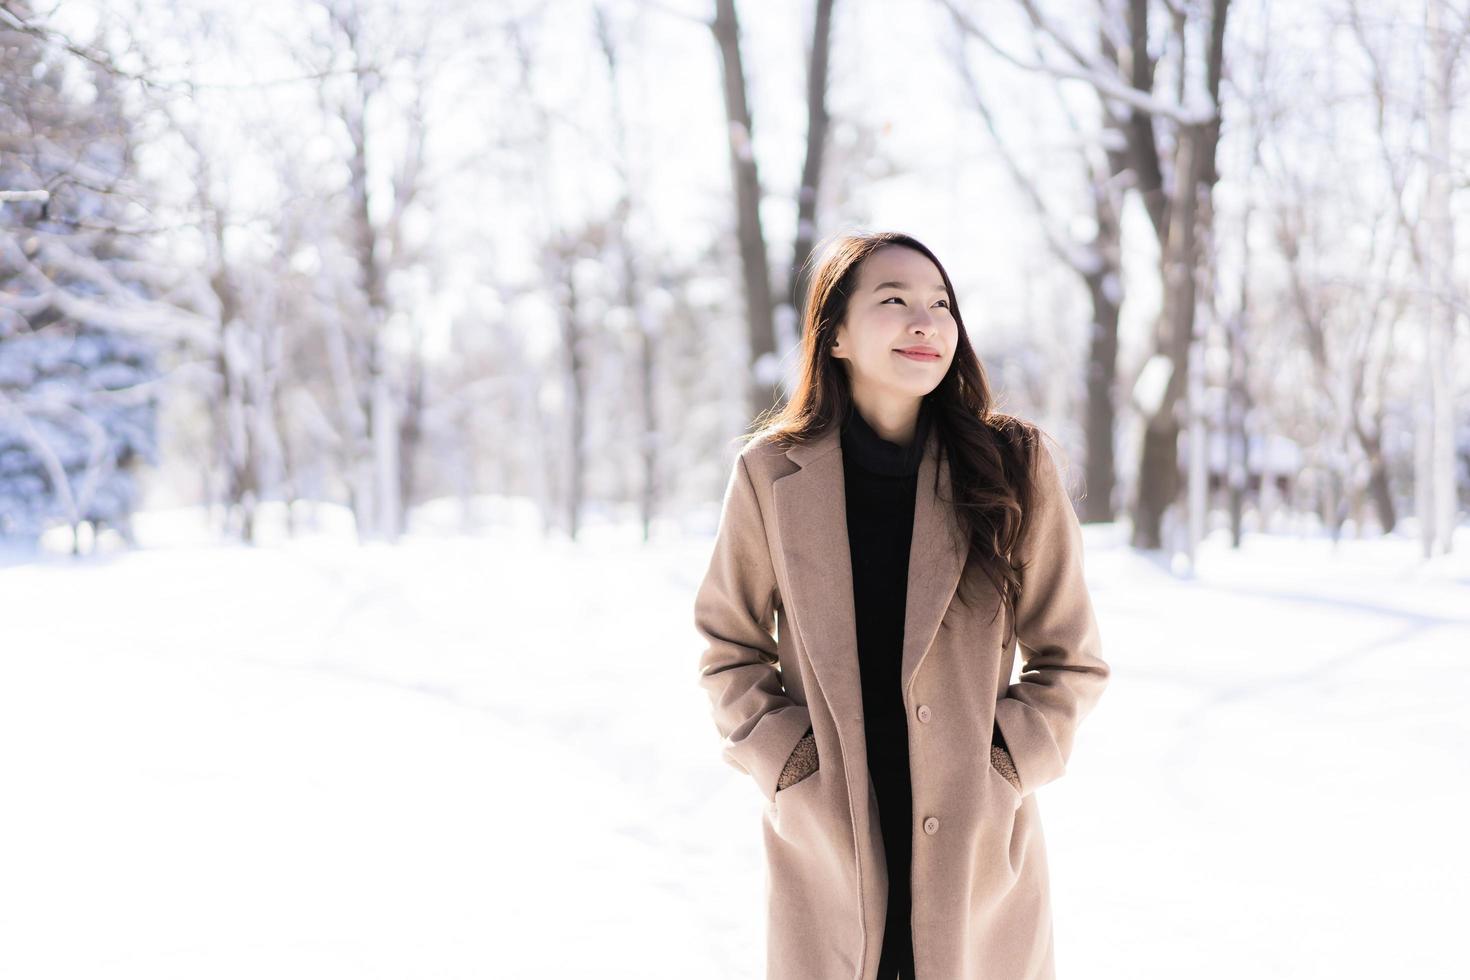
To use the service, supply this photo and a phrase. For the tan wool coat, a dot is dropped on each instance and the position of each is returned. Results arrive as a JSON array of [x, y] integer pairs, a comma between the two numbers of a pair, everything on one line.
[[775, 609]]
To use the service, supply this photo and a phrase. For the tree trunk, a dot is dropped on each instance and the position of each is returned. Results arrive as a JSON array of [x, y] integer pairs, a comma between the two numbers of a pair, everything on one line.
[[817, 119], [576, 375], [1102, 378], [764, 378], [1437, 428], [1195, 177]]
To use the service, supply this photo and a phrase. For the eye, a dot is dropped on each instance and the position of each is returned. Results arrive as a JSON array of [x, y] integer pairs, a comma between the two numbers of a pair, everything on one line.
[[900, 299]]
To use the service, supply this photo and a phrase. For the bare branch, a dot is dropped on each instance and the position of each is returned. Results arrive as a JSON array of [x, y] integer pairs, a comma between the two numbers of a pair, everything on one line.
[[1105, 81], [663, 8], [1084, 262]]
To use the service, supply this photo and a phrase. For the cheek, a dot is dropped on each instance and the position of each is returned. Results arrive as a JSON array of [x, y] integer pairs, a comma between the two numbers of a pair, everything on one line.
[[878, 339]]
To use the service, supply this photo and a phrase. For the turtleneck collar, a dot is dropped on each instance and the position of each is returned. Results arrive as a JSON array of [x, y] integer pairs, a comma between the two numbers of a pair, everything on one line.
[[877, 455]]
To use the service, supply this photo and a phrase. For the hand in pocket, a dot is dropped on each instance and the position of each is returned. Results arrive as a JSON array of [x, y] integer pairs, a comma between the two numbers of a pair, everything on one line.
[[801, 763], [1001, 759]]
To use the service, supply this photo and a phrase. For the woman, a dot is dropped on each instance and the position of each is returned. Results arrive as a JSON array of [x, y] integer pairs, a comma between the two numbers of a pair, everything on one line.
[[886, 541]]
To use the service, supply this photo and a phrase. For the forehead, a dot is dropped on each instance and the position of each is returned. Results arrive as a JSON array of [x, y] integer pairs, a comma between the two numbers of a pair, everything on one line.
[[895, 263]]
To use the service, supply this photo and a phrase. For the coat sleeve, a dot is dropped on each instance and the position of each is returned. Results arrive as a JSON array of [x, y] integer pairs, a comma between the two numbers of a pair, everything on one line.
[[1062, 671], [734, 611]]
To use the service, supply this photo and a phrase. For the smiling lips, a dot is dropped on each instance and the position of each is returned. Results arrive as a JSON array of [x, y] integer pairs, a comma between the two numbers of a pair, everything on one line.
[[918, 353]]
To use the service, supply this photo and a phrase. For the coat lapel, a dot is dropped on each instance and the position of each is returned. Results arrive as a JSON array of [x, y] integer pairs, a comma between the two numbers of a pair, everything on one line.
[[811, 520], [811, 517], [937, 557]]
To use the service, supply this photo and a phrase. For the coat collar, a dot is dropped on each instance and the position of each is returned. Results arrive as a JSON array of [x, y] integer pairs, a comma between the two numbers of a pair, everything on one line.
[[811, 515]]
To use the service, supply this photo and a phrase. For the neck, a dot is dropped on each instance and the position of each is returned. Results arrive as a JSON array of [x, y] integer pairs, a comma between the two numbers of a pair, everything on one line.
[[893, 420]]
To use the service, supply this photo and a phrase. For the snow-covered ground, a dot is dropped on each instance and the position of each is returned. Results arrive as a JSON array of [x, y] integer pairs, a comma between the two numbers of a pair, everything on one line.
[[487, 756]]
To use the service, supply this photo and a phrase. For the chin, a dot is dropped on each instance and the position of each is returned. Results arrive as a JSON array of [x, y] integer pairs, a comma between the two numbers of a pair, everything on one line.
[[909, 389]]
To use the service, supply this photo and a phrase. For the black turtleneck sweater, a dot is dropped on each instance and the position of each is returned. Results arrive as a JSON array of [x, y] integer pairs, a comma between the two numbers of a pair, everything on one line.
[[881, 480]]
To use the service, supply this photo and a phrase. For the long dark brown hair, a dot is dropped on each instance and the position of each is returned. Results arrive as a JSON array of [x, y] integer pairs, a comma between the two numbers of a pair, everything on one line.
[[990, 453]]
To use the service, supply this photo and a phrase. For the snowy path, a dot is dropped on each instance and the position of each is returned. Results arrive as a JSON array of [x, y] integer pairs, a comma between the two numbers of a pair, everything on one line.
[[488, 758]]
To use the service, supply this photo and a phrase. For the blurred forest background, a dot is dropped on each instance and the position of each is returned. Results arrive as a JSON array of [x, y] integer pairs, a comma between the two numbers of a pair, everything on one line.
[[370, 254], [409, 341]]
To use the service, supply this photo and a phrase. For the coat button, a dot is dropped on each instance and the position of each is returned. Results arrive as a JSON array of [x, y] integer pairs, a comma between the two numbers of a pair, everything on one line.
[[931, 825], [924, 712]]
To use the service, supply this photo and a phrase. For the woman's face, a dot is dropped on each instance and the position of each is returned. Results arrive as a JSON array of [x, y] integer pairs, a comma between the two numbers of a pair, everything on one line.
[[900, 302]]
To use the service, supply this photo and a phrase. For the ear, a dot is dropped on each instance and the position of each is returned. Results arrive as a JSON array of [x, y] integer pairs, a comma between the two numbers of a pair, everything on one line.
[[837, 348]]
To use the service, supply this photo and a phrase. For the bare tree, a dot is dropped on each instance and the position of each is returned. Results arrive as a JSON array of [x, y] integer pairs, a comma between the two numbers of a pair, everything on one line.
[[1097, 263], [754, 261], [808, 189], [1169, 142], [761, 306], [644, 331], [375, 76], [1428, 229]]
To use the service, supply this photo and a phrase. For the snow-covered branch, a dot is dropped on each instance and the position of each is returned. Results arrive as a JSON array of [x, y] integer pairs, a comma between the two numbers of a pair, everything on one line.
[[119, 308], [1105, 80]]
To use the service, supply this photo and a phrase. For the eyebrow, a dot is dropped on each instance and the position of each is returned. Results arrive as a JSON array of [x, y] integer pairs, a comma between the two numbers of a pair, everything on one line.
[[903, 285]]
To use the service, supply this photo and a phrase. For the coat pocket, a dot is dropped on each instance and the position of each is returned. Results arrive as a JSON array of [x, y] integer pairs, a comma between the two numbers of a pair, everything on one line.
[[1007, 788], [795, 809]]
